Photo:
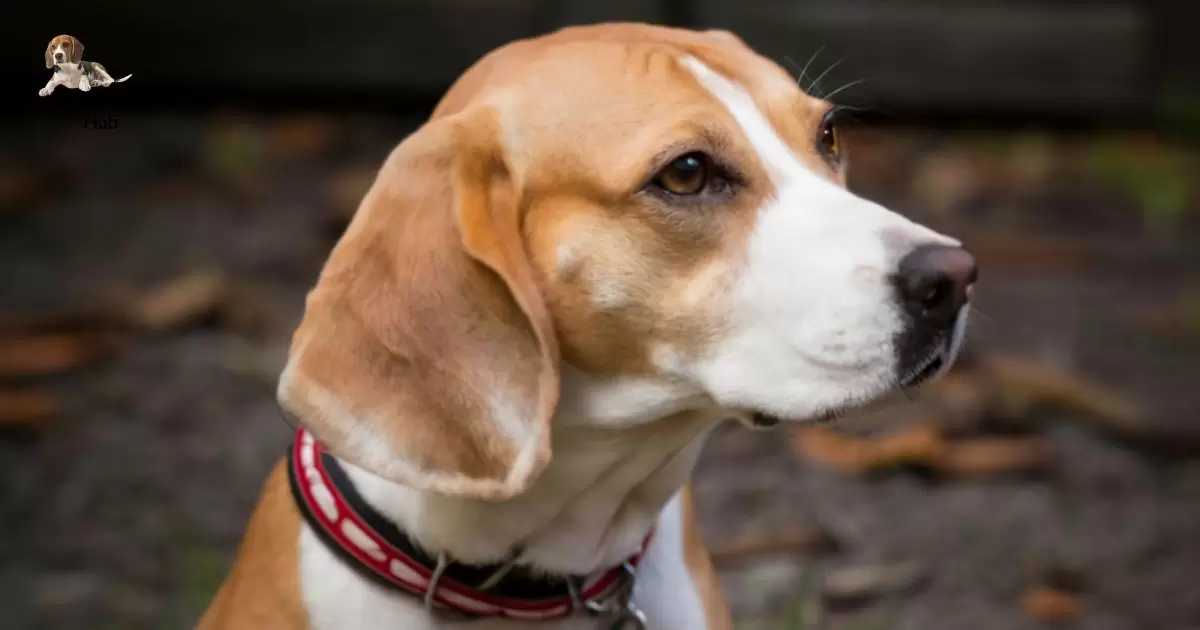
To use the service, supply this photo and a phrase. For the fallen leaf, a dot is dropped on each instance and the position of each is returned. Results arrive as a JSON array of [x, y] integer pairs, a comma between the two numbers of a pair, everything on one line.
[[989, 456], [25, 409], [772, 544], [859, 584], [55, 321], [841, 452], [1051, 605], [925, 447], [1020, 385], [179, 302], [917, 444], [36, 355], [1059, 574]]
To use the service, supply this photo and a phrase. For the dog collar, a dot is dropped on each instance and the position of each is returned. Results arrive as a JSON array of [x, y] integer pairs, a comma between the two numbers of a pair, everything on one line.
[[374, 545]]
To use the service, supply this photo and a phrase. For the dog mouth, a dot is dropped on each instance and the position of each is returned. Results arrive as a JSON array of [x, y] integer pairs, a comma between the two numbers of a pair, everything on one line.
[[763, 420], [927, 368], [937, 360]]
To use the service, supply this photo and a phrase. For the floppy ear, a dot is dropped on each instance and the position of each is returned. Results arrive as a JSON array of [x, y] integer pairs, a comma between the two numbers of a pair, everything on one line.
[[725, 36], [426, 354], [50, 55], [76, 50]]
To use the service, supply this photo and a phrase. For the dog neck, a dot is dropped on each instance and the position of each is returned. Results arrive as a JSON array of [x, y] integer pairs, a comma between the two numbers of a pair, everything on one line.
[[622, 448]]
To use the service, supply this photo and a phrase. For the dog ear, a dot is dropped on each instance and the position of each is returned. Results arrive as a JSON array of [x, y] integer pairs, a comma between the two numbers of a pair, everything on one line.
[[50, 55], [725, 36], [426, 354], [76, 50]]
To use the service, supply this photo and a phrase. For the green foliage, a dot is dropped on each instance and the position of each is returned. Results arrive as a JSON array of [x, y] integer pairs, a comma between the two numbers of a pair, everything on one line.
[[203, 568], [1155, 177], [1179, 109]]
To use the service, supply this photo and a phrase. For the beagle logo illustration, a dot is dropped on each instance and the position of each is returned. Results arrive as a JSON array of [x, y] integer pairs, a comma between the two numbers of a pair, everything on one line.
[[64, 55]]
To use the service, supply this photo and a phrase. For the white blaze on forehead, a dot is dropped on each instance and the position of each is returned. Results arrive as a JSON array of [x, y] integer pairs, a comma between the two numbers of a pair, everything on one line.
[[788, 173], [813, 313], [777, 157]]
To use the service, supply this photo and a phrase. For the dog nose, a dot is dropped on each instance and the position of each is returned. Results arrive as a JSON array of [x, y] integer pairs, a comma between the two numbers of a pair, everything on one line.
[[934, 281], [58, 56]]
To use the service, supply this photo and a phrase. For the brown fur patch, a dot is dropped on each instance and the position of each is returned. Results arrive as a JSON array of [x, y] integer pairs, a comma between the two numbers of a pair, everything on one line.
[[263, 589], [704, 576], [71, 46], [426, 334]]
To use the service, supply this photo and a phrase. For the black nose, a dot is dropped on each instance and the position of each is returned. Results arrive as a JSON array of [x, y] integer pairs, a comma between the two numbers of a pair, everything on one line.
[[933, 281], [58, 56]]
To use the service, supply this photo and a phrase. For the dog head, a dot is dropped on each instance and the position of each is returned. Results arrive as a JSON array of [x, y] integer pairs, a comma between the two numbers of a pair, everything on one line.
[[651, 206], [63, 49]]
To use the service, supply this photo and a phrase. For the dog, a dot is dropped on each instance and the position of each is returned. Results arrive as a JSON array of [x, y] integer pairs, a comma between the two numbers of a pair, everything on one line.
[[64, 54], [604, 242]]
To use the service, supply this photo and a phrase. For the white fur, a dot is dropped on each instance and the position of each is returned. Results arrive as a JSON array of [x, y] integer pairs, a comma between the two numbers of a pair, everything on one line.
[[612, 473], [813, 314], [68, 75]]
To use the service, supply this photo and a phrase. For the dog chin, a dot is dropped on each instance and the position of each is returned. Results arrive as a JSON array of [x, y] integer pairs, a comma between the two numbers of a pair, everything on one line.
[[763, 420], [939, 361]]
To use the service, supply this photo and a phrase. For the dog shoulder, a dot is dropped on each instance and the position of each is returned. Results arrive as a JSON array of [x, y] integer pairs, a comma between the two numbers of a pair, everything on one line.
[[270, 548]]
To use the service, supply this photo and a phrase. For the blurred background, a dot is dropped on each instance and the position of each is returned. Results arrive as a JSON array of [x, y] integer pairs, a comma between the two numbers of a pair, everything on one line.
[[157, 238]]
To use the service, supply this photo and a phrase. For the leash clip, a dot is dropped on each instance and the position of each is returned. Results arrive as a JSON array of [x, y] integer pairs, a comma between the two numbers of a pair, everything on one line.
[[625, 614]]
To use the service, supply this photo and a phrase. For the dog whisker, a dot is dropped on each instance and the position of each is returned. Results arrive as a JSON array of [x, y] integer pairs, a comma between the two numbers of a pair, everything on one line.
[[975, 312], [810, 60], [803, 72], [816, 83], [829, 97]]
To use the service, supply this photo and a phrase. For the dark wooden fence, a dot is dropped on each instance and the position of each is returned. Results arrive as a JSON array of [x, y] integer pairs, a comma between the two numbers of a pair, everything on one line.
[[1118, 60]]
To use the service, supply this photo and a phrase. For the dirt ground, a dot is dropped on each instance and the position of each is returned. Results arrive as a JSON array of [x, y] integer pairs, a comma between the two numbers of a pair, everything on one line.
[[124, 509]]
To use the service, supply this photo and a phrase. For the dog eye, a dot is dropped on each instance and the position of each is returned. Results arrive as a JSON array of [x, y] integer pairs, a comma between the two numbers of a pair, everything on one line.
[[686, 175], [827, 139]]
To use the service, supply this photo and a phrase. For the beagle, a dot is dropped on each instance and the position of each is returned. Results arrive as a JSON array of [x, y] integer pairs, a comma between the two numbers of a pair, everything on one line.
[[64, 54], [604, 242]]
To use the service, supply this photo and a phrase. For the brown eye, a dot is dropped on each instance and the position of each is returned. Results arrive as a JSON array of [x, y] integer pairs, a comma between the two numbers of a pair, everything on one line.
[[686, 175], [827, 141]]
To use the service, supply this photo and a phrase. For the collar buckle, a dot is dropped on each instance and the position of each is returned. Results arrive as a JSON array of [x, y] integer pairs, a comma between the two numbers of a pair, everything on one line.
[[619, 605]]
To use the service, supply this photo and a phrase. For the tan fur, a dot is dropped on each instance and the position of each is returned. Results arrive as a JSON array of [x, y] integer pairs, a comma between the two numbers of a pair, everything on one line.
[[262, 591], [490, 249], [699, 563], [425, 302]]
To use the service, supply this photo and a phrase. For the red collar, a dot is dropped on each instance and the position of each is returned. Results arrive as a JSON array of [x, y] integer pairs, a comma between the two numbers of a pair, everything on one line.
[[375, 545]]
